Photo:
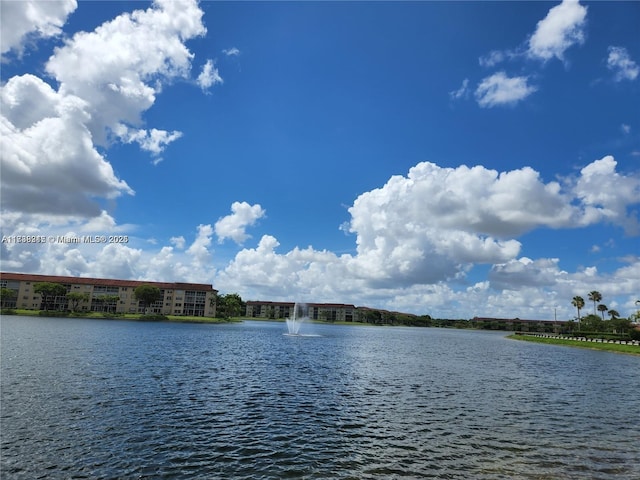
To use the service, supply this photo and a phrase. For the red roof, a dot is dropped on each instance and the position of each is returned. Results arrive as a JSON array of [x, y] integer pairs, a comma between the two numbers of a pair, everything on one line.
[[291, 304], [28, 277]]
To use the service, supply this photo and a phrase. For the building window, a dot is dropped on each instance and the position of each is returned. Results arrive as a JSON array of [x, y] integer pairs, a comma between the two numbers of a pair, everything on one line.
[[105, 290]]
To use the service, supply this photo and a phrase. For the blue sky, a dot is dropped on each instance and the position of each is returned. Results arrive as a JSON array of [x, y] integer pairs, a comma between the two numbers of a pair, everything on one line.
[[445, 158]]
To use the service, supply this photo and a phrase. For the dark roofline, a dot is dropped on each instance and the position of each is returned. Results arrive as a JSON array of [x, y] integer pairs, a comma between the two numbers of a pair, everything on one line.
[[30, 277], [291, 304]]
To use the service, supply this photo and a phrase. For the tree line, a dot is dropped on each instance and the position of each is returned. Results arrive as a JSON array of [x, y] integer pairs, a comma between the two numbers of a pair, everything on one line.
[[594, 323]]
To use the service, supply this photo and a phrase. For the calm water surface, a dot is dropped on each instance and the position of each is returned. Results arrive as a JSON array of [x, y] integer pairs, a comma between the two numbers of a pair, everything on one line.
[[118, 399]]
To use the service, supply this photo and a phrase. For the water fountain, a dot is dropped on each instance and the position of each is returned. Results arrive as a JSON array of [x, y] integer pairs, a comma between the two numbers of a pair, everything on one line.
[[294, 322]]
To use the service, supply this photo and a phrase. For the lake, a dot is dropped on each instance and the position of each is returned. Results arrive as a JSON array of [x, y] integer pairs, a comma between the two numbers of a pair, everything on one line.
[[107, 399]]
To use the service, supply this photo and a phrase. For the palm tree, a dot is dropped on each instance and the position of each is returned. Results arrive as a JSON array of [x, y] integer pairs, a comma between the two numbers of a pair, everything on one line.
[[595, 297], [578, 302], [602, 308], [614, 316]]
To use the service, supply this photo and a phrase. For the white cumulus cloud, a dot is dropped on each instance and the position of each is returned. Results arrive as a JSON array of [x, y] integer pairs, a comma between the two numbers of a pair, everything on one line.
[[301, 274], [153, 140], [20, 20], [106, 80], [179, 242], [231, 52], [49, 163], [234, 226], [199, 249], [209, 76], [118, 68], [621, 64], [562, 28], [606, 195], [499, 89], [427, 226], [524, 272], [420, 230]]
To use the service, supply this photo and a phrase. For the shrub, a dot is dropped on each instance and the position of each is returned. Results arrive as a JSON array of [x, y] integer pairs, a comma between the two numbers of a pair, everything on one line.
[[153, 317], [53, 313]]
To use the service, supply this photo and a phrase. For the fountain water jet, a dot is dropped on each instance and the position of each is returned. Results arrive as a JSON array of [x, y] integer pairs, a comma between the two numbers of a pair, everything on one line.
[[293, 323]]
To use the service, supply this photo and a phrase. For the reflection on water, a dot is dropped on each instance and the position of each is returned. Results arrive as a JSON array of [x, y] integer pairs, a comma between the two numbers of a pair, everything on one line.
[[118, 399]]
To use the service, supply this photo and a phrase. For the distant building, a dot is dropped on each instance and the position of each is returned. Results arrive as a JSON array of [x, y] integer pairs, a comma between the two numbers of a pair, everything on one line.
[[331, 312], [115, 296]]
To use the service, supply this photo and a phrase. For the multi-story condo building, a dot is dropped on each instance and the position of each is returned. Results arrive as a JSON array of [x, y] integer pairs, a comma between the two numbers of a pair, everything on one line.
[[331, 312], [107, 295]]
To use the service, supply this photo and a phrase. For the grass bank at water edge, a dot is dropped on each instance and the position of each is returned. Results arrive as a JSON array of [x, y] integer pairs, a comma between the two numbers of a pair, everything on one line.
[[610, 347], [119, 316]]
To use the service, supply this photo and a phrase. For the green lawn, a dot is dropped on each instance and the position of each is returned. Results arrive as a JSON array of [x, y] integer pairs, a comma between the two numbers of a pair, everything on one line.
[[132, 316], [611, 347]]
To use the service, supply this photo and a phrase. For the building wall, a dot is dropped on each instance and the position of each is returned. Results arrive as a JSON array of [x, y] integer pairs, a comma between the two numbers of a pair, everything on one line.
[[316, 311], [270, 309], [333, 312], [177, 298]]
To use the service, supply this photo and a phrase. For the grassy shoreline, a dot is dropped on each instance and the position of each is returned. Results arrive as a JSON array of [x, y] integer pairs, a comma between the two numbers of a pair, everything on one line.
[[128, 316], [609, 347], [174, 318]]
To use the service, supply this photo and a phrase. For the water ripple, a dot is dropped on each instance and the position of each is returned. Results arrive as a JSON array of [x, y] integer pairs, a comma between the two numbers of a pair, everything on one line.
[[161, 401]]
